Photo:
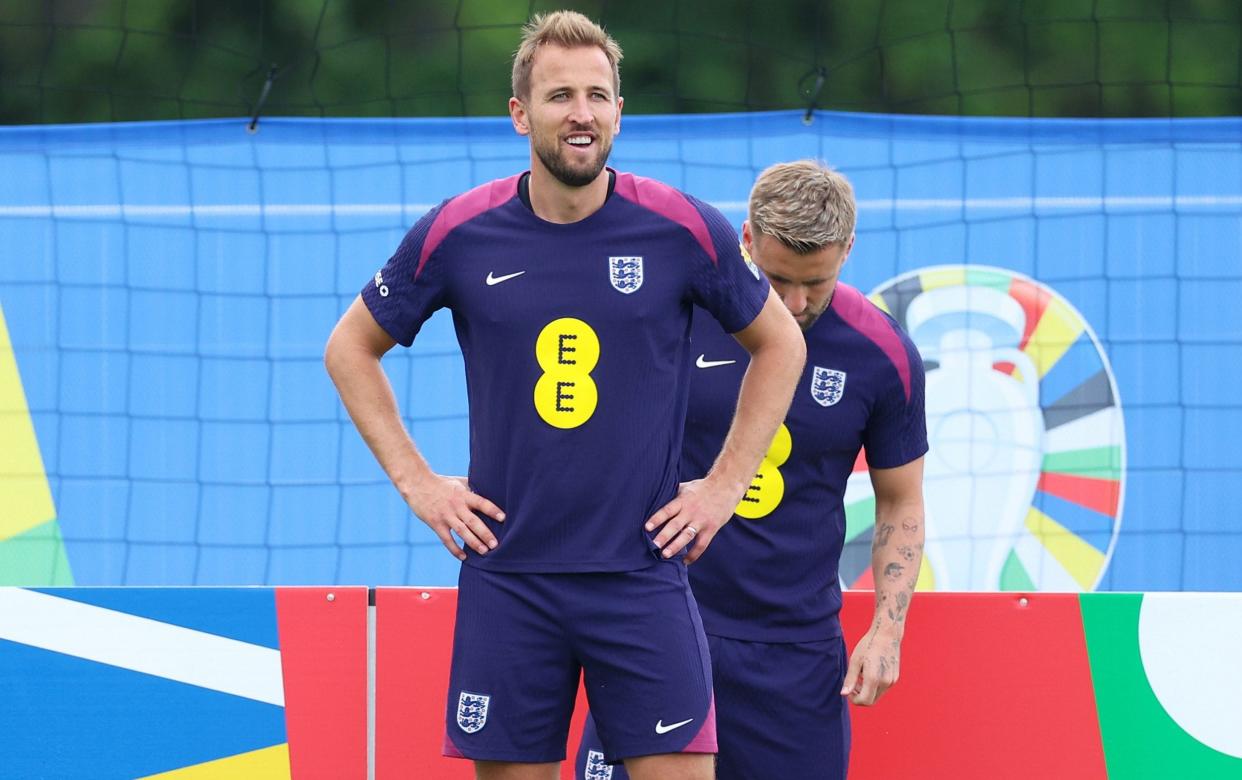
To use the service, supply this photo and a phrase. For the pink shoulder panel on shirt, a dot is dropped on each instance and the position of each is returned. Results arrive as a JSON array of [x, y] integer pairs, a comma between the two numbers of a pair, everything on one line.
[[668, 203], [464, 208], [860, 314]]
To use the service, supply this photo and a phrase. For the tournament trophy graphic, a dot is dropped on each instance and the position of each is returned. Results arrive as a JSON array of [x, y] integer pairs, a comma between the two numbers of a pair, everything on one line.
[[1025, 476]]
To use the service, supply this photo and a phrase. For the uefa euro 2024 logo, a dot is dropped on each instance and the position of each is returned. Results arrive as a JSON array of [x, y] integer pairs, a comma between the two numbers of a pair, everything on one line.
[[1026, 470]]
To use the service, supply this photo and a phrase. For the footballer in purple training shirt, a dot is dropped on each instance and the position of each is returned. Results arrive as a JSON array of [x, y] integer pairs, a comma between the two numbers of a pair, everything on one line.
[[575, 345], [572, 288], [768, 589]]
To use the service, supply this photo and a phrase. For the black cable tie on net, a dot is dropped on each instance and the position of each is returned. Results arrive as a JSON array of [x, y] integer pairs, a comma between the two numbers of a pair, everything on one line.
[[812, 94], [253, 127]]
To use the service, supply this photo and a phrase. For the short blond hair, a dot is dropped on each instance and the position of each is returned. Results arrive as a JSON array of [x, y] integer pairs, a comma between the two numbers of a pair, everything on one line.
[[806, 205], [569, 29]]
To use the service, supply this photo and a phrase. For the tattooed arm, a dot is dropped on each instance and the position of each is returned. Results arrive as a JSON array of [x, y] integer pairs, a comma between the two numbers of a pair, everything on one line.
[[896, 554]]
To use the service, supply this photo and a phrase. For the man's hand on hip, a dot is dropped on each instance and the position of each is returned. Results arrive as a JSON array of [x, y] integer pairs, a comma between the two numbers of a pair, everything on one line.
[[693, 518], [448, 505]]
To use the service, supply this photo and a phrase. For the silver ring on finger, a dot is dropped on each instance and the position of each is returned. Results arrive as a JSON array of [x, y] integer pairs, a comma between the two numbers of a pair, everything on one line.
[[691, 530]]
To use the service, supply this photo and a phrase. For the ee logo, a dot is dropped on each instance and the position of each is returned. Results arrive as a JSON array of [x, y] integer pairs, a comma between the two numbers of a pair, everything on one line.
[[768, 487], [567, 350]]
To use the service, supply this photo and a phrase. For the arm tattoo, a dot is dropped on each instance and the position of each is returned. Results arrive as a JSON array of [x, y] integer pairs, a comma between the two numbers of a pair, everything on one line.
[[896, 582], [903, 603], [885, 532]]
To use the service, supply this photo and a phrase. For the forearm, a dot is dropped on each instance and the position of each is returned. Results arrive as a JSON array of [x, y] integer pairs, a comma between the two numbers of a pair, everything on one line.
[[763, 401], [896, 556], [368, 397]]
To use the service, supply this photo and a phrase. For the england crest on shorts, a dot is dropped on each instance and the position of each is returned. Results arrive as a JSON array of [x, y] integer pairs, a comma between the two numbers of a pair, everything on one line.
[[472, 711], [596, 768], [827, 386], [625, 273]]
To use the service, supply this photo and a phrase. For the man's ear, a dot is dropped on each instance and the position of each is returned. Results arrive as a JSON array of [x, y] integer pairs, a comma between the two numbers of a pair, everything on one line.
[[517, 113]]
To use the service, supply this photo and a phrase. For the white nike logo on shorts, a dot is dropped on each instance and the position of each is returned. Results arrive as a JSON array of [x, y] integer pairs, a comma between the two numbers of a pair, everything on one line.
[[660, 727], [498, 279], [701, 363]]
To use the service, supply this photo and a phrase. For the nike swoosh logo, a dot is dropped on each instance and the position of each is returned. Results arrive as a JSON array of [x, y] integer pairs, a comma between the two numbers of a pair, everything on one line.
[[662, 729], [498, 279], [701, 363]]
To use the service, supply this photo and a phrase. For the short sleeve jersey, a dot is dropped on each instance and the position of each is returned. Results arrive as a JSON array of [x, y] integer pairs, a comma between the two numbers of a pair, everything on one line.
[[770, 575], [575, 339]]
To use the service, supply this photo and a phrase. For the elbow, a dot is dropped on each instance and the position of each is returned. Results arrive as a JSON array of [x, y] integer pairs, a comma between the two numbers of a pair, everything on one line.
[[333, 356], [329, 358], [346, 354], [793, 350], [797, 348]]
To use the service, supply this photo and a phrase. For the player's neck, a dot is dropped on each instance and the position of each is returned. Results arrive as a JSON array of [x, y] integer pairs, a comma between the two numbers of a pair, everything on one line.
[[554, 201]]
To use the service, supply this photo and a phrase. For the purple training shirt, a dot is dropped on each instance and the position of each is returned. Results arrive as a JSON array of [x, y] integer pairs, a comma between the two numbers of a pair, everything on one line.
[[575, 338], [771, 573]]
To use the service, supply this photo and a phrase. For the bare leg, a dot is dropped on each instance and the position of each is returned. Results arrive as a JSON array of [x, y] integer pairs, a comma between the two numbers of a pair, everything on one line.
[[672, 766], [508, 770]]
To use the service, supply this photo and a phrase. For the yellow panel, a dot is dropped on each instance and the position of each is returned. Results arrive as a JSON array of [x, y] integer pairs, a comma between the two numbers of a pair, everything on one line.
[[1081, 560], [948, 277], [878, 300], [270, 763], [25, 499], [927, 578], [1056, 332]]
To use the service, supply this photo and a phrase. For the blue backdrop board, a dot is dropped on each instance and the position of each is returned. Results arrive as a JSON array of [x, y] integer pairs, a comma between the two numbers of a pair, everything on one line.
[[166, 290], [125, 683]]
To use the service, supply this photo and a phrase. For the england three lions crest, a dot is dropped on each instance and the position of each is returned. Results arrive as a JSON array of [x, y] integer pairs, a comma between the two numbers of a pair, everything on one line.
[[596, 767], [472, 711], [625, 273], [827, 386]]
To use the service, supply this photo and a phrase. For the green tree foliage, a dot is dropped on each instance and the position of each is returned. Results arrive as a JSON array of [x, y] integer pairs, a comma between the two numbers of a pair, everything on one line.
[[115, 60]]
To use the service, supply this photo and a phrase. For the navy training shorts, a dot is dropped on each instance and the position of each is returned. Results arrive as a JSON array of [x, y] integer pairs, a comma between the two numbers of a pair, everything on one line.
[[521, 639]]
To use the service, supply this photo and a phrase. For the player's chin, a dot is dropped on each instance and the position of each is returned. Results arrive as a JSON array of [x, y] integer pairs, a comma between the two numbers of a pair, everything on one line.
[[580, 174], [808, 318]]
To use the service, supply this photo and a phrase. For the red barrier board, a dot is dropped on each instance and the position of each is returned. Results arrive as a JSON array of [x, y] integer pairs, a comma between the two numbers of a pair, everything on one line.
[[414, 644], [323, 658], [992, 685]]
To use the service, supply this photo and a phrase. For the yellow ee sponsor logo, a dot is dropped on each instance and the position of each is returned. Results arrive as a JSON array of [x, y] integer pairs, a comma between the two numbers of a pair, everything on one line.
[[567, 350], [768, 487]]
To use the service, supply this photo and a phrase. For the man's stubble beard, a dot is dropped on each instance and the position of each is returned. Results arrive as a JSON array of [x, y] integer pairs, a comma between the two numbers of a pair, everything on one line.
[[554, 160]]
